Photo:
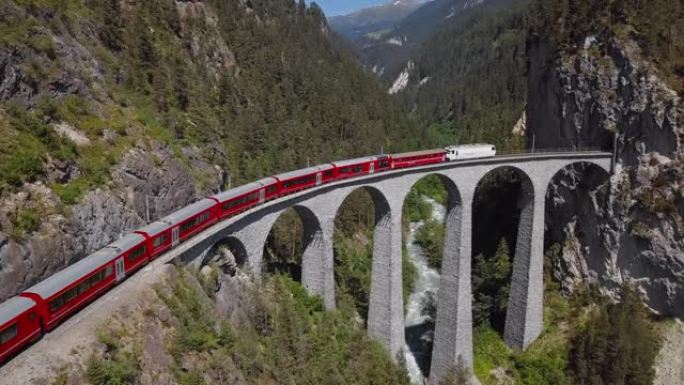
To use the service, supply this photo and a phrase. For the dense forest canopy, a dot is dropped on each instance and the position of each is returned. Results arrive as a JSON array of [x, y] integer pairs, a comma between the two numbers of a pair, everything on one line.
[[259, 88]]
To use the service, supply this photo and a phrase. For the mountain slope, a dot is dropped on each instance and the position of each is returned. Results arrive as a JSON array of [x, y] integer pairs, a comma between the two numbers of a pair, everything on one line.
[[386, 51], [374, 19], [116, 113], [467, 80]]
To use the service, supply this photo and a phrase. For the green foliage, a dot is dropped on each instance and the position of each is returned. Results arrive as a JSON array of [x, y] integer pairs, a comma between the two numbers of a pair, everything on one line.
[[544, 362], [71, 192], [409, 274], [116, 367], [430, 237], [119, 371], [491, 286], [416, 208], [26, 222], [295, 89], [617, 345], [288, 338], [586, 340], [489, 352], [353, 265], [477, 88], [20, 160], [196, 331], [656, 25], [284, 246], [432, 186]]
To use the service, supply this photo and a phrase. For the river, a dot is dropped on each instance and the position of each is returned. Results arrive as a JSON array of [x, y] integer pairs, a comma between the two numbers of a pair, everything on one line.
[[418, 331]]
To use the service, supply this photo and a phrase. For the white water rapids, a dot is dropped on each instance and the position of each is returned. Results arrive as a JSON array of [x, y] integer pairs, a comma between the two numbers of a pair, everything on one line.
[[427, 282]]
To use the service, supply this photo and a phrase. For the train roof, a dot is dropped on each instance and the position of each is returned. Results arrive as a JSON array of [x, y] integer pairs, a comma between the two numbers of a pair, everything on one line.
[[154, 228], [418, 153], [187, 212], [13, 307], [472, 145], [127, 242], [303, 172], [244, 189], [349, 162], [58, 282]]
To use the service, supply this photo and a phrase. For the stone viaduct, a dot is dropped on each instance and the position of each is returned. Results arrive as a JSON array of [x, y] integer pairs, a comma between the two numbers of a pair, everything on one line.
[[247, 233]]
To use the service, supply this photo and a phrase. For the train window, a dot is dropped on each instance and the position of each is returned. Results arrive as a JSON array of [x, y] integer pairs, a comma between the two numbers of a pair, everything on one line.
[[32, 316], [136, 254], [8, 334], [108, 271], [95, 279], [271, 189], [83, 287], [71, 294], [299, 181], [185, 227], [56, 304], [351, 169], [328, 173], [160, 240]]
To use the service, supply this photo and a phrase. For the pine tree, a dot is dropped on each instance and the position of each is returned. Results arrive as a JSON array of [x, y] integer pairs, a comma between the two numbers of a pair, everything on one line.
[[112, 30], [617, 345]]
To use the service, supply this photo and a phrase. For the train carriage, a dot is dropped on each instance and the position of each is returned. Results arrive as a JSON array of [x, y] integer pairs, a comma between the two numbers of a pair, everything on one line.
[[360, 166], [470, 151], [291, 182], [19, 325], [418, 158], [133, 247], [178, 226], [244, 197], [64, 293]]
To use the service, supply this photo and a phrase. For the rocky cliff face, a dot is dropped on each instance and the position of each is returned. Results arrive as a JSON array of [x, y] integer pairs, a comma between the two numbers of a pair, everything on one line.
[[147, 184], [39, 232], [626, 227]]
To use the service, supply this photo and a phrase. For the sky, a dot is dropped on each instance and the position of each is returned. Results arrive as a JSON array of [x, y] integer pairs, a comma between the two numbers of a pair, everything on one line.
[[342, 7]]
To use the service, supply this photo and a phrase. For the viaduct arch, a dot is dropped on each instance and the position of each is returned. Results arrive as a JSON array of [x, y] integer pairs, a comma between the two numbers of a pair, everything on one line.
[[453, 330]]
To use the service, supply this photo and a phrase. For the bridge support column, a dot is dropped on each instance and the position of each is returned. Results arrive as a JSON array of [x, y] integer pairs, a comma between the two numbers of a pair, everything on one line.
[[453, 329], [318, 275], [524, 318], [386, 308]]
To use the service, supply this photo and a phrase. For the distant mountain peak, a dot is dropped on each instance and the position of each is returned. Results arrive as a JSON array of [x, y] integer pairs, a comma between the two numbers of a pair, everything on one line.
[[373, 19]]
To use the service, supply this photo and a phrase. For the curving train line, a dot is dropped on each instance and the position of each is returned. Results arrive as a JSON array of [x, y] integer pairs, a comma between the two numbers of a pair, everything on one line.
[[42, 307]]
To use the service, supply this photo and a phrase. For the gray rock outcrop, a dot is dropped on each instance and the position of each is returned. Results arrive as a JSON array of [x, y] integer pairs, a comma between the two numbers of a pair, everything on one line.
[[151, 179], [627, 228]]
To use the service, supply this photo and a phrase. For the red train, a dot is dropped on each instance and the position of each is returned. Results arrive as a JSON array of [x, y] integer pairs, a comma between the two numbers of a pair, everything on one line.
[[41, 308]]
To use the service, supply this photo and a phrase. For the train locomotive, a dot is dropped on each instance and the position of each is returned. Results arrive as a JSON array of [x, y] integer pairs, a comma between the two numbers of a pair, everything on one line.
[[42, 307]]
